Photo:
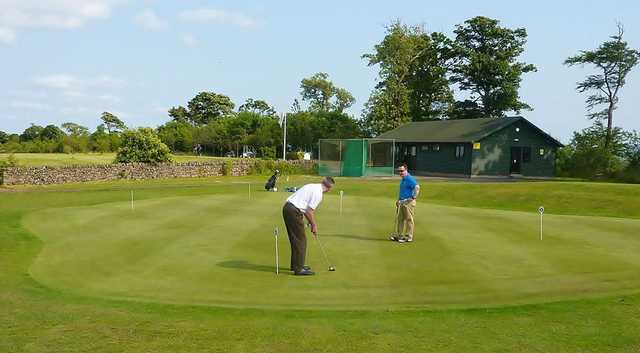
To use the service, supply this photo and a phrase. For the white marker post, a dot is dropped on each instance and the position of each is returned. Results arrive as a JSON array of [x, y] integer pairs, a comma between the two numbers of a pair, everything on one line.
[[541, 211], [341, 195], [275, 233], [249, 191], [131, 200]]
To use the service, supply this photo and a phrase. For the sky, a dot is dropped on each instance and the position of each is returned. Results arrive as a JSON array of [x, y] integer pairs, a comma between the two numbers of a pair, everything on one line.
[[71, 60]]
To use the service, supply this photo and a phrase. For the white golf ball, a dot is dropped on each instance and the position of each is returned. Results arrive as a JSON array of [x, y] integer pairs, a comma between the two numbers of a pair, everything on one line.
[[275, 189]]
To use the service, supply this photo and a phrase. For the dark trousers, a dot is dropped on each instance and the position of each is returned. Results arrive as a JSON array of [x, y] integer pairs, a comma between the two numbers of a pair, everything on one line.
[[293, 219]]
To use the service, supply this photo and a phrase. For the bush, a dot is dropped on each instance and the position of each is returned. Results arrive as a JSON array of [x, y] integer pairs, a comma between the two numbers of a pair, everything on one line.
[[142, 146], [267, 167], [227, 167], [295, 156], [10, 162], [267, 152]]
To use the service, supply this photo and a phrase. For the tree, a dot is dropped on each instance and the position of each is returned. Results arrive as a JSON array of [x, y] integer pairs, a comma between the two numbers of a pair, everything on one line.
[[587, 156], [485, 65], [99, 140], [613, 59], [112, 122], [179, 114], [178, 136], [142, 146], [413, 75], [386, 109], [4, 137], [257, 106], [31, 133], [323, 96], [52, 132], [207, 106], [74, 129], [466, 109]]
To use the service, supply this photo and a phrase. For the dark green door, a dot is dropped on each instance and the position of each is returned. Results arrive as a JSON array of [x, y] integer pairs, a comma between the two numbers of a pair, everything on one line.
[[516, 160]]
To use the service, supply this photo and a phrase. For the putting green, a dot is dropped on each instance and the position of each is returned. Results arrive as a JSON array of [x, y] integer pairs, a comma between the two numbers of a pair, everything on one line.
[[219, 250]]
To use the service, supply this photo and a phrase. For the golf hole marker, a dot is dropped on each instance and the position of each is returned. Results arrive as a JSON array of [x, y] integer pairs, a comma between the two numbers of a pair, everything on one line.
[[541, 211], [341, 195], [131, 200], [275, 234]]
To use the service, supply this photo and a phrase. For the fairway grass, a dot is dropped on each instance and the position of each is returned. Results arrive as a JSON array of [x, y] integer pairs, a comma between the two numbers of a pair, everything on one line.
[[191, 269]]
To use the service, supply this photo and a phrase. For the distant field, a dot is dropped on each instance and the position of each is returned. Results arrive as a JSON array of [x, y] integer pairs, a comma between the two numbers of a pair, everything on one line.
[[63, 159]]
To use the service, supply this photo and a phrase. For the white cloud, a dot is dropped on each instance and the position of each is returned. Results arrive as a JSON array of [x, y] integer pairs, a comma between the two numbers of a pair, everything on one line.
[[149, 20], [7, 35], [19, 15], [71, 85], [218, 16], [190, 41], [30, 105]]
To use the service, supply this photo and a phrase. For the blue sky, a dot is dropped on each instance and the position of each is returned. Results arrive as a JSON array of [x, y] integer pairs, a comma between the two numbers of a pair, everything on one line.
[[70, 60]]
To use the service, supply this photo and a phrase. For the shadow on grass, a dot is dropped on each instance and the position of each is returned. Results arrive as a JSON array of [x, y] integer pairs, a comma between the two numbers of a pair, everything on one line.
[[245, 265], [356, 237]]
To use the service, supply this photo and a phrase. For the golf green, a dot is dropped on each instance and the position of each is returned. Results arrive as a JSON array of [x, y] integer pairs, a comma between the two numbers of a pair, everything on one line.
[[219, 250]]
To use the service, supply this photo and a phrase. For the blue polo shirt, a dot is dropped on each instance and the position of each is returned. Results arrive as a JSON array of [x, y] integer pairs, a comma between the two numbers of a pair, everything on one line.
[[407, 184]]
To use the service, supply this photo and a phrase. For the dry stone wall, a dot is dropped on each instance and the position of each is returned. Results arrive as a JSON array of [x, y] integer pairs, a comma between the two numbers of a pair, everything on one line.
[[76, 174]]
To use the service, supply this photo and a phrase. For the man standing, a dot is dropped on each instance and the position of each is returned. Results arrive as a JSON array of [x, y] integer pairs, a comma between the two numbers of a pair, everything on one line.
[[303, 203], [406, 206]]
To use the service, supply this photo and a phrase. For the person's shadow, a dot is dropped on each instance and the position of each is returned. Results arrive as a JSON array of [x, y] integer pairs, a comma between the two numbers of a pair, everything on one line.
[[246, 265], [356, 237]]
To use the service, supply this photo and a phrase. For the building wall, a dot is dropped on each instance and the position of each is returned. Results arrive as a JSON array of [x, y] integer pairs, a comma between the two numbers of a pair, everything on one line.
[[442, 160], [494, 155]]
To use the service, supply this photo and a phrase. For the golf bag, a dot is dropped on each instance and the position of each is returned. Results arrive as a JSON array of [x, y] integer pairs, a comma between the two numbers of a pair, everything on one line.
[[271, 183]]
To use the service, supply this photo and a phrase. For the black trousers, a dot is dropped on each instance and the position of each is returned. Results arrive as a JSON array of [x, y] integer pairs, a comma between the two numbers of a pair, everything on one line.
[[293, 219]]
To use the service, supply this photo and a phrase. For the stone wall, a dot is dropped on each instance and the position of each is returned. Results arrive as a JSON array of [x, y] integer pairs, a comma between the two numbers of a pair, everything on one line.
[[74, 174]]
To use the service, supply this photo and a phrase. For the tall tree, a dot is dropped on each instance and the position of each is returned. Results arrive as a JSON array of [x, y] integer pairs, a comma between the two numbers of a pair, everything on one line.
[[486, 65], [52, 132], [179, 114], [257, 106], [31, 133], [207, 106], [4, 137], [613, 59], [413, 84], [112, 122], [323, 95], [74, 129]]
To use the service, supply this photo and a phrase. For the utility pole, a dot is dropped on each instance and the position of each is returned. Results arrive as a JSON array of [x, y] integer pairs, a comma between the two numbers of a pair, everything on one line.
[[283, 123]]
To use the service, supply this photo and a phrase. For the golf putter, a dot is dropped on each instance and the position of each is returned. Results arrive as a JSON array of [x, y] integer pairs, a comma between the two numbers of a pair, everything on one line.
[[324, 254], [395, 225]]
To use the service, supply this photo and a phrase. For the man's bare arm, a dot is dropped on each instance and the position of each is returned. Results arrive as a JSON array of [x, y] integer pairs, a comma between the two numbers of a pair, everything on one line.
[[311, 218]]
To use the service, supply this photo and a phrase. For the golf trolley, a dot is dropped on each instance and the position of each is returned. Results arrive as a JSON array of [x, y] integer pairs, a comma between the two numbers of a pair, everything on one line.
[[270, 185]]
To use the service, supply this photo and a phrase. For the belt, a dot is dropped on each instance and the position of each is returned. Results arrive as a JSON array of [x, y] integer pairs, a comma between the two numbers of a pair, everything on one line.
[[289, 204]]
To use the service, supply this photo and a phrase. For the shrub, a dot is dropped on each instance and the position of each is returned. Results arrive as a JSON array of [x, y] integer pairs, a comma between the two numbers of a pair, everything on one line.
[[227, 167], [10, 162], [142, 146], [295, 156], [267, 152], [267, 167]]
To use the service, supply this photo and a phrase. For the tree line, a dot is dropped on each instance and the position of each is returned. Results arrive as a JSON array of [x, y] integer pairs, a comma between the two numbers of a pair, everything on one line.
[[418, 74]]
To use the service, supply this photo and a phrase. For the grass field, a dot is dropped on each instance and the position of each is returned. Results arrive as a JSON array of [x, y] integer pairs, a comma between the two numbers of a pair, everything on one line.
[[191, 269], [63, 159]]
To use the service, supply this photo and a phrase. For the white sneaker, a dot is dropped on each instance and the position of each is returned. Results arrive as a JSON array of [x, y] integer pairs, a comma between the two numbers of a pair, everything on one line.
[[405, 240]]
